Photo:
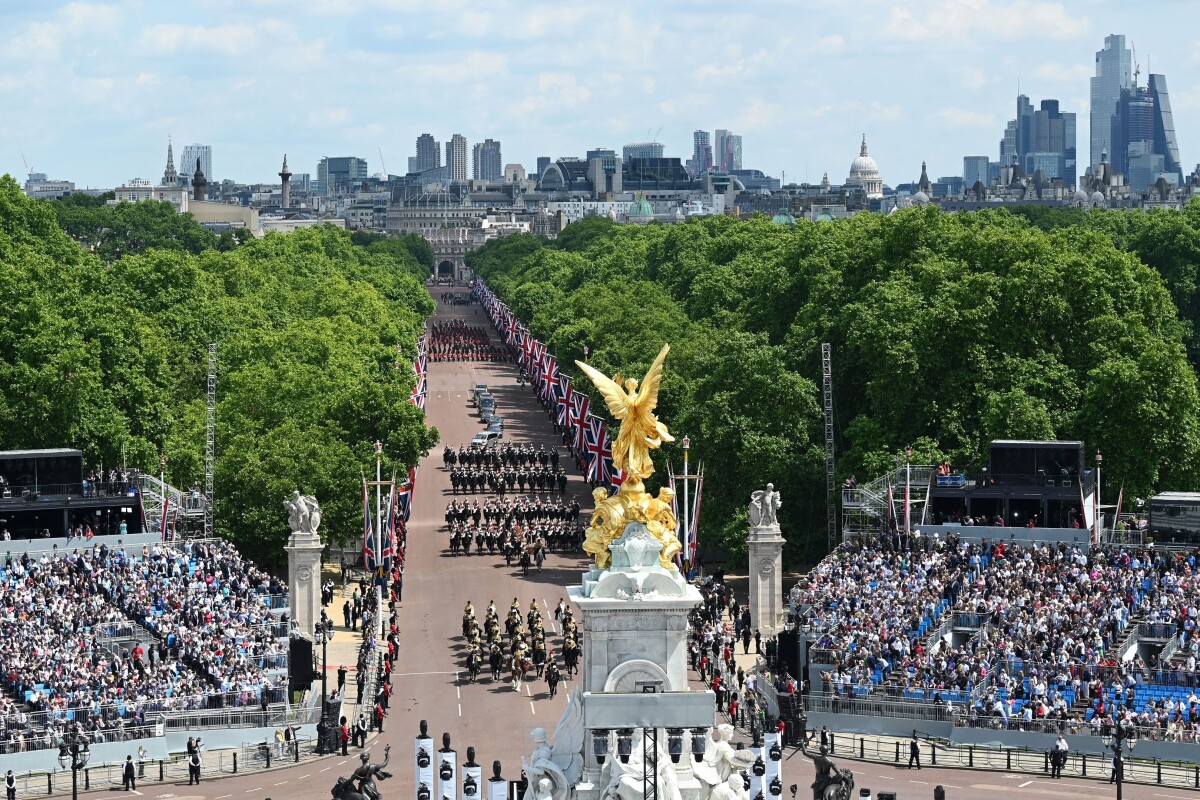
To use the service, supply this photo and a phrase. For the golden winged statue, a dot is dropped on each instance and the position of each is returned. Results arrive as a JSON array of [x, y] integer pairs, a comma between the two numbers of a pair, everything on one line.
[[641, 431]]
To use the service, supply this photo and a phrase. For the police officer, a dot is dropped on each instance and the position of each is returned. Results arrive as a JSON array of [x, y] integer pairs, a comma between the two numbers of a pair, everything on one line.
[[914, 752]]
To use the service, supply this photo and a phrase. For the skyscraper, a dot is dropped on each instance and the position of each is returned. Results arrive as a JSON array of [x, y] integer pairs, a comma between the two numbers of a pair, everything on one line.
[[456, 157], [1114, 74], [1043, 139], [542, 163], [702, 155], [727, 150], [1165, 142], [341, 173], [192, 152], [429, 154], [975, 168], [486, 164]]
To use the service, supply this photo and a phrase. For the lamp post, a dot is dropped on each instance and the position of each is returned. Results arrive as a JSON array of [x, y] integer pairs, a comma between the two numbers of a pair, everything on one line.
[[73, 753], [1098, 519], [687, 524], [322, 635], [375, 578], [1115, 740]]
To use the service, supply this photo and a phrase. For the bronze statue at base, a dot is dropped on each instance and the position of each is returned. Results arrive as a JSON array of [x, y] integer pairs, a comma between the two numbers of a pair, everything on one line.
[[831, 783]]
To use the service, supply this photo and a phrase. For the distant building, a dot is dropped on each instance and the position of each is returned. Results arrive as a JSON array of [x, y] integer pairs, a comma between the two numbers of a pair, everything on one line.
[[1041, 139], [429, 154], [486, 163], [456, 157], [864, 172], [542, 163], [727, 151], [37, 185], [701, 162], [1114, 75], [975, 169], [514, 173], [337, 175], [641, 150], [187, 161], [1144, 146]]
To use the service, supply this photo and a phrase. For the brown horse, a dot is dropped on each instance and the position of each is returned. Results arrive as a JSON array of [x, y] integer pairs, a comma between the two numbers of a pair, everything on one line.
[[519, 667]]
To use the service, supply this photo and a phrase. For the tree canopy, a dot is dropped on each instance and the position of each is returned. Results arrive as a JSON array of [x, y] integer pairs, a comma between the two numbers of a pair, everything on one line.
[[948, 331], [106, 352]]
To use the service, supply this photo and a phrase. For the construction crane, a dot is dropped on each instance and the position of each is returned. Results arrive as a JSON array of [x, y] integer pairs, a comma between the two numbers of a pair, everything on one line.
[[28, 169], [380, 149], [1137, 68]]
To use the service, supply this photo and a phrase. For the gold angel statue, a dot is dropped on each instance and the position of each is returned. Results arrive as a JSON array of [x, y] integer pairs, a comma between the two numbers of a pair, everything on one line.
[[641, 431]]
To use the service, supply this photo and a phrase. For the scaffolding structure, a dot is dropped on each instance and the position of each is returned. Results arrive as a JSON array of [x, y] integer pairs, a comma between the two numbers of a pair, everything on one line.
[[830, 460], [210, 440]]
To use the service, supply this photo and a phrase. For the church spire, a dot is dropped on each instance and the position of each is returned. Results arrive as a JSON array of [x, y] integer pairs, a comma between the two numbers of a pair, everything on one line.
[[170, 176], [863, 150]]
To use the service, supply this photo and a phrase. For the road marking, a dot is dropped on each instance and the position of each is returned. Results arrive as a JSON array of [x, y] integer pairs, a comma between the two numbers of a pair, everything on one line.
[[302, 777], [1023, 785], [1176, 796], [923, 783], [342, 762], [327, 769], [281, 783], [256, 789], [460, 709], [532, 709], [222, 797], [528, 692]]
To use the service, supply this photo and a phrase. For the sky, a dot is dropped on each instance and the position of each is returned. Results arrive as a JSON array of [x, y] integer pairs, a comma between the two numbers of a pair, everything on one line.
[[92, 90]]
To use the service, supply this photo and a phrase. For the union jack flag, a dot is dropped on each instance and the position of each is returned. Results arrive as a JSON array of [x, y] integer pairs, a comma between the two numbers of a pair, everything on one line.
[[579, 415], [549, 376], [368, 533], [388, 545], [563, 396], [597, 447], [404, 495]]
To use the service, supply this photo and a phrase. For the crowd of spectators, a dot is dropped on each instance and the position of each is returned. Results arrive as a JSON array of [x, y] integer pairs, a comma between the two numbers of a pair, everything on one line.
[[1034, 637], [69, 650], [457, 341]]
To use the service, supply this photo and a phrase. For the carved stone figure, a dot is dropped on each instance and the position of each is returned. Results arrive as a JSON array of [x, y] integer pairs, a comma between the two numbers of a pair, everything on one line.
[[625, 781], [661, 522], [720, 763], [304, 513], [365, 774], [553, 769], [734, 788], [764, 505]]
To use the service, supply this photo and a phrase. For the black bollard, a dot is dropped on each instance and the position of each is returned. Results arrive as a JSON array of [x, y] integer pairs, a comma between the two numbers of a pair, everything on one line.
[[235, 762], [939, 793]]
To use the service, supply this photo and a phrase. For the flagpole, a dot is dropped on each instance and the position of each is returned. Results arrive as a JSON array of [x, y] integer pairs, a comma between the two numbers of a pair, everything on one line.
[[687, 513], [378, 545]]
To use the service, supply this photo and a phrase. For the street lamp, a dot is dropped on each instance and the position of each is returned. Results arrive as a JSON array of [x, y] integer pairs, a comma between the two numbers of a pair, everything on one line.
[[73, 753], [907, 489], [1114, 739], [322, 635]]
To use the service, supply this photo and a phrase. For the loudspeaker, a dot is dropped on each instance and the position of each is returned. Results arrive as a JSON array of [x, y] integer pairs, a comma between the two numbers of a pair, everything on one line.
[[300, 664], [885, 796]]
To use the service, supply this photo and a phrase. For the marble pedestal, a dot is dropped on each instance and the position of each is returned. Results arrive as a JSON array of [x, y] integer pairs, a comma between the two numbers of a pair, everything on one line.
[[304, 581], [765, 545]]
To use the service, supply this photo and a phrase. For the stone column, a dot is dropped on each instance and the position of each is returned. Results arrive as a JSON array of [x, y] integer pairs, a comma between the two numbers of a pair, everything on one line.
[[765, 544], [304, 580]]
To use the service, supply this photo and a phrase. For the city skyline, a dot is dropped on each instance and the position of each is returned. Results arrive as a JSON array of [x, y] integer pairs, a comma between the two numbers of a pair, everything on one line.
[[927, 81]]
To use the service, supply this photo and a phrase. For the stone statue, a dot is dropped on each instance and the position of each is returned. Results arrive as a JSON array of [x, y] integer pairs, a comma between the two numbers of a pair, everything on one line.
[[764, 505], [304, 513], [640, 431], [365, 775], [734, 788], [831, 783], [553, 770], [721, 762], [625, 781]]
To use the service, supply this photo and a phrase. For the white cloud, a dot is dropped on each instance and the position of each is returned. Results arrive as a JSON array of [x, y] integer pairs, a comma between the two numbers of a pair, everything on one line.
[[830, 44], [966, 118], [957, 23], [475, 23], [1054, 71], [173, 38], [328, 117], [973, 78]]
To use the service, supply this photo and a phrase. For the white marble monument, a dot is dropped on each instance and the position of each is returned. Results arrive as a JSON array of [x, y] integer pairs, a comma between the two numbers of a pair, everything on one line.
[[304, 550], [765, 546]]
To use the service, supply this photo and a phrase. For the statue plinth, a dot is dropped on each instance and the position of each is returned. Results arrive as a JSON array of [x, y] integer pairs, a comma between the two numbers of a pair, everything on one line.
[[304, 551], [765, 548]]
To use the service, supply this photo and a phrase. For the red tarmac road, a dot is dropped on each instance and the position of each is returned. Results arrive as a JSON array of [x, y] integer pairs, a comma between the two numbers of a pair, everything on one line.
[[429, 678]]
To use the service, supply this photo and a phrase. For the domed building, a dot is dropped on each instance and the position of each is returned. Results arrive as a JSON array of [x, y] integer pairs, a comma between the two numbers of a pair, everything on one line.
[[782, 217], [864, 172], [640, 211]]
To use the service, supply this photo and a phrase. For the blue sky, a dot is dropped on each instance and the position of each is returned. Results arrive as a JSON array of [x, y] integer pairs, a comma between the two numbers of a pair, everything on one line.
[[91, 90]]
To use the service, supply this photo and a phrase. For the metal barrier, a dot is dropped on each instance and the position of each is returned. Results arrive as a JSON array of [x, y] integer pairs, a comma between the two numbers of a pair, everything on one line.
[[885, 749], [871, 706]]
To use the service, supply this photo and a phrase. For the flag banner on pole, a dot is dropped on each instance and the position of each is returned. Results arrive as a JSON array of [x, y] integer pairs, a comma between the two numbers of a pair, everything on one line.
[[165, 509], [582, 404], [889, 511], [694, 524], [679, 531], [388, 539], [595, 445], [404, 495], [1120, 501], [549, 376], [368, 533], [563, 398]]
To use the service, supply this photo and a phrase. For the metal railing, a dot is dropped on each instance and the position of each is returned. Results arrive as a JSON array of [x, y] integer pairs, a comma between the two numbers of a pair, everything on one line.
[[44, 739], [1156, 630], [875, 706], [884, 749]]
